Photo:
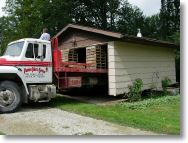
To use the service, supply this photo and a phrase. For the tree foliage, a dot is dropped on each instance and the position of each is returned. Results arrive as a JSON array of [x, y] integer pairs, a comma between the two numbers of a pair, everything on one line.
[[7, 32], [98, 13], [26, 18], [169, 18], [130, 18]]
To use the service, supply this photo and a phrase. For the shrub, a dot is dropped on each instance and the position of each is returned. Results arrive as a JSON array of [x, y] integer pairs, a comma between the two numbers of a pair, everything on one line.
[[135, 91], [165, 83]]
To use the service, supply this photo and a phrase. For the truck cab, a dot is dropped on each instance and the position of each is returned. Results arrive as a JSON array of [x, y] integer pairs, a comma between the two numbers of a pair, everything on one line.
[[26, 73]]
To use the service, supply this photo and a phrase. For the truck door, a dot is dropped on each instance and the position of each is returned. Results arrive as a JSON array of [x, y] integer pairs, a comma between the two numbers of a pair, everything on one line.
[[38, 67]]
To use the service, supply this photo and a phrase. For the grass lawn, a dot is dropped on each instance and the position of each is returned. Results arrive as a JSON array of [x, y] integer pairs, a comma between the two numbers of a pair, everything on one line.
[[160, 115]]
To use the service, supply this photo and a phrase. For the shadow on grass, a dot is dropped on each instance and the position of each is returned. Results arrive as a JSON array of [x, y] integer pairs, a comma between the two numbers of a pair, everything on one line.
[[56, 102], [60, 100], [1, 133]]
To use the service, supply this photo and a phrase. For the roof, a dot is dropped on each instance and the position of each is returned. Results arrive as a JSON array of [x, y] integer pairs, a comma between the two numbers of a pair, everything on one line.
[[119, 36], [30, 40], [90, 29], [149, 41]]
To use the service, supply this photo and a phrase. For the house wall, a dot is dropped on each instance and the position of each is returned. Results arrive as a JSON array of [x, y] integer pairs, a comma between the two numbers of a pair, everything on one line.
[[128, 61], [78, 38]]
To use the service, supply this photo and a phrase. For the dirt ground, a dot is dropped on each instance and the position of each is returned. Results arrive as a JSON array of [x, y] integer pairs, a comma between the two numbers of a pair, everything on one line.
[[52, 121]]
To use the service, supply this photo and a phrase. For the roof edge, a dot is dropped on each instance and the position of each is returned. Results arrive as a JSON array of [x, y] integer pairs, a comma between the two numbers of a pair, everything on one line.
[[116, 35], [90, 29], [151, 41]]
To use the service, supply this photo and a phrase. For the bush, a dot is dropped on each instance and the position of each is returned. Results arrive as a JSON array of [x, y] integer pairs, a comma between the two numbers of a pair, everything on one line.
[[135, 91], [165, 83], [150, 93]]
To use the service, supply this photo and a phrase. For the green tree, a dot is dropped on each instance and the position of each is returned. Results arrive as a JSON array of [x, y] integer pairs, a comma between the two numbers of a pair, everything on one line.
[[130, 18], [33, 15], [55, 14], [170, 26], [151, 26], [98, 13], [8, 32], [169, 18], [27, 18]]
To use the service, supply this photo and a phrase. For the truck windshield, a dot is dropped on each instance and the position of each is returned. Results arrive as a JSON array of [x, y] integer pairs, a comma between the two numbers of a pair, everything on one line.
[[14, 49]]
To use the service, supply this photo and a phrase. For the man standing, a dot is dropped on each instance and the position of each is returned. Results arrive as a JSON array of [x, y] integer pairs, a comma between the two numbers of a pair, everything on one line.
[[45, 35]]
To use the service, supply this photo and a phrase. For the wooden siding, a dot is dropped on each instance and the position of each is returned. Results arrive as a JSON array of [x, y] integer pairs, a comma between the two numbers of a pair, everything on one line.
[[128, 62], [78, 39]]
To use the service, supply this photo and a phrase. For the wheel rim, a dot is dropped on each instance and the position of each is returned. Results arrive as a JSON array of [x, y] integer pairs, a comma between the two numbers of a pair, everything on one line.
[[7, 97]]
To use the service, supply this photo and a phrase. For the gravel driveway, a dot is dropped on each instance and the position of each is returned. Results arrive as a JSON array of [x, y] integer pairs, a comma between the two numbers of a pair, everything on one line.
[[52, 121]]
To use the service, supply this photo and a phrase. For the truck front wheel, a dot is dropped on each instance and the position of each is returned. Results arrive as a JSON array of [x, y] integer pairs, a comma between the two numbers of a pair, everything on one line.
[[10, 97]]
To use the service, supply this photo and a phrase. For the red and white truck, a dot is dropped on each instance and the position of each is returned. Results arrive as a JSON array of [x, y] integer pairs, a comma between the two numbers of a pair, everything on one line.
[[32, 70]]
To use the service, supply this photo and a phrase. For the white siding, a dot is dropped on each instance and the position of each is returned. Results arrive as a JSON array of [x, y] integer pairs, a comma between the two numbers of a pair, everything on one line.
[[128, 62], [111, 71]]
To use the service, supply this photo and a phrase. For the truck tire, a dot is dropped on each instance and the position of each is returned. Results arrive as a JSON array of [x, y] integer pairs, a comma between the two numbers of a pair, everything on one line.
[[10, 97]]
